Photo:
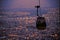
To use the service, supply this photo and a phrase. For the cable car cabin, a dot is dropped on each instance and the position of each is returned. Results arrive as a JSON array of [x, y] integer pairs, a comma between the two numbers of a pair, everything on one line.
[[40, 23]]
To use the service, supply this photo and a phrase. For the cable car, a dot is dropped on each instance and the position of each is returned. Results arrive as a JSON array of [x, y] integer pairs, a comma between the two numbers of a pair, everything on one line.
[[40, 22]]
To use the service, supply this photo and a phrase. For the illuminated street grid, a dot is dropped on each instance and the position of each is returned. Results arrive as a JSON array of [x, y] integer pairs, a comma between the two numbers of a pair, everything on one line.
[[23, 28]]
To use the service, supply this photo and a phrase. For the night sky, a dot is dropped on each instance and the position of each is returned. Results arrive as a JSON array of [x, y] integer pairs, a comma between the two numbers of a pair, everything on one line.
[[28, 3]]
